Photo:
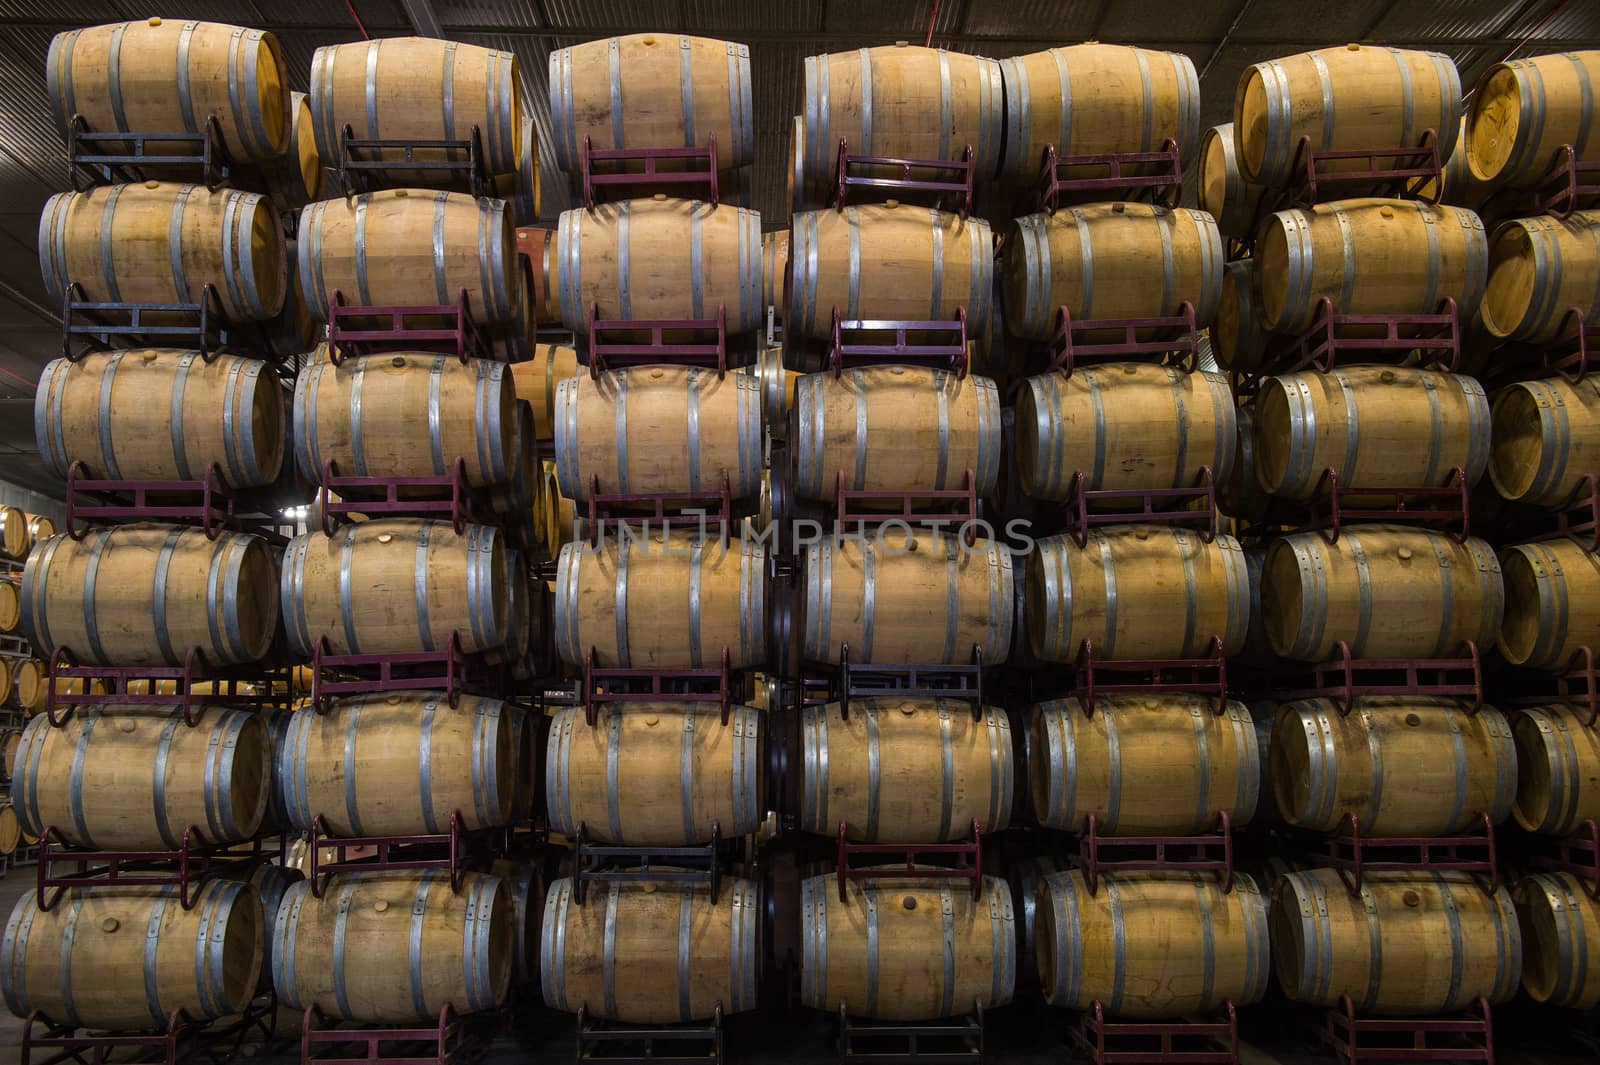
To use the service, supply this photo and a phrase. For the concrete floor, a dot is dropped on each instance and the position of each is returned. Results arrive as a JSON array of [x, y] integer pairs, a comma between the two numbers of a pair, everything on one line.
[[1278, 1033]]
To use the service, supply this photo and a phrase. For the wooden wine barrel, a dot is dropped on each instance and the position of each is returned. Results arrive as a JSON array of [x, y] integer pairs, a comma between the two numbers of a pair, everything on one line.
[[405, 414], [1560, 923], [1389, 591], [27, 685], [1374, 426], [679, 954], [1151, 945], [910, 598], [295, 178], [1110, 260], [1541, 269], [139, 595], [652, 90], [1558, 760], [1525, 110], [1405, 766], [160, 414], [905, 102], [1223, 191], [132, 778], [524, 880], [1546, 438], [293, 331], [8, 738], [800, 191], [658, 429], [536, 381], [396, 585], [13, 532], [1240, 496], [1128, 426], [1136, 591], [169, 76], [662, 601], [895, 428], [418, 88], [539, 245], [887, 261], [395, 947], [405, 247], [661, 258], [906, 950], [775, 271], [1358, 96], [561, 513], [163, 242], [360, 763], [10, 615], [778, 387], [40, 529], [1369, 256], [203, 959], [1408, 944], [875, 770], [1552, 591], [10, 829], [520, 190], [1143, 765], [270, 882], [656, 774], [1458, 185]]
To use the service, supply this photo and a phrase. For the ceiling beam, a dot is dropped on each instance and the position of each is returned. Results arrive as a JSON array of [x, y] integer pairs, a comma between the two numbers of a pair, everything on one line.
[[422, 16], [1222, 42]]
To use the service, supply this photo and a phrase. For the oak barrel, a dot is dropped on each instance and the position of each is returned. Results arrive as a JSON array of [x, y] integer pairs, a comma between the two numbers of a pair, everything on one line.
[[10, 828], [27, 685], [1143, 765], [295, 178], [271, 882], [1558, 762], [1525, 110], [775, 271], [521, 190], [1560, 922], [1540, 270], [1552, 603], [395, 585], [1151, 945], [163, 242], [171, 76], [161, 414], [13, 532], [1458, 184], [10, 620], [40, 528], [394, 947], [1136, 592], [138, 595], [6, 687], [1545, 438], [539, 245], [536, 380], [1407, 944], [1223, 192], [875, 770]]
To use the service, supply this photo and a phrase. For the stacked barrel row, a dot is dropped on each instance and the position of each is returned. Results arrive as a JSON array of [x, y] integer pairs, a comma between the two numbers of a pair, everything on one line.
[[21, 675]]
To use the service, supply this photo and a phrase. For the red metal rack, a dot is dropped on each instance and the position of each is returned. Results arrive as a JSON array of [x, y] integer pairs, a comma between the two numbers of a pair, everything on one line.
[[409, 497], [113, 158], [1080, 342], [451, 1040], [614, 343], [618, 684], [1086, 508], [1578, 854], [362, 157], [1342, 678], [445, 328], [1576, 352], [1447, 506], [1155, 176], [933, 507], [688, 167], [1396, 172], [621, 864], [97, 325], [453, 850], [1210, 852], [1204, 676], [1332, 336], [938, 343], [917, 681], [449, 670], [951, 1041], [940, 179], [207, 502], [967, 856], [1465, 1038], [186, 868], [1577, 685], [1213, 1041], [226, 686], [630, 1044], [183, 1040], [1352, 854], [1570, 183], [665, 511]]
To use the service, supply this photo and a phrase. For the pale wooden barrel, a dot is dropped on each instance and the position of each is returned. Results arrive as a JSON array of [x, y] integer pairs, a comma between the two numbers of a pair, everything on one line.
[[1358, 96], [1560, 924], [1375, 426], [1136, 591], [1552, 611], [1409, 944], [908, 598], [902, 101], [1089, 99], [1545, 438], [394, 947], [1143, 765], [1458, 184], [204, 960], [662, 601], [170, 76], [359, 764], [778, 387], [895, 428], [1110, 260], [28, 685], [403, 247], [270, 883], [1405, 766], [161, 414], [652, 90], [659, 429], [875, 770], [162, 242], [1558, 759], [40, 529], [898, 949], [418, 88], [8, 739], [396, 585], [10, 619], [525, 881], [1525, 110], [1222, 189], [1539, 270], [656, 774], [1128, 426], [1240, 496], [131, 778], [561, 514], [403, 414], [1151, 945], [521, 189], [540, 246], [775, 271], [536, 380], [887, 261], [1369, 256], [800, 191], [1389, 591], [137, 595], [10, 828], [293, 331], [13, 532], [660, 258], [652, 954], [295, 178]]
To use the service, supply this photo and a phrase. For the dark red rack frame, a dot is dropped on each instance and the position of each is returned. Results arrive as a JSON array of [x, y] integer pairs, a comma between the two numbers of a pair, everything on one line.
[[1201, 676], [698, 168], [183, 1041], [697, 511], [935, 342], [452, 1039], [226, 686], [1086, 507], [1213, 1041], [450, 494], [1077, 342], [416, 851], [1352, 854], [1156, 176], [613, 343], [622, 864], [1343, 677], [940, 179], [620, 684], [207, 502], [1447, 506], [446, 329], [933, 507], [1463, 1039], [1210, 852], [967, 855], [186, 868]]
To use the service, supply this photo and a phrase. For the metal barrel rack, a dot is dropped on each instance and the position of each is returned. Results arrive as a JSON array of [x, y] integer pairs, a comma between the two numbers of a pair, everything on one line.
[[603, 685], [449, 1040], [946, 183], [1576, 684], [1465, 1038], [1071, 179], [421, 496], [186, 867], [1093, 676], [698, 511], [455, 850], [1577, 854], [1342, 678], [614, 344], [643, 170], [1078, 342], [98, 325], [196, 686], [1353, 855], [207, 501], [636, 1044], [363, 166], [182, 1040], [445, 328], [117, 158], [1570, 184]]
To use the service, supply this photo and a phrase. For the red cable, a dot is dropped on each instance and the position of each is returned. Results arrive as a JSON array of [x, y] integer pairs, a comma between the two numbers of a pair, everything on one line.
[[352, 9], [19, 377], [1552, 13], [932, 15]]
